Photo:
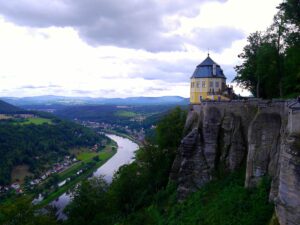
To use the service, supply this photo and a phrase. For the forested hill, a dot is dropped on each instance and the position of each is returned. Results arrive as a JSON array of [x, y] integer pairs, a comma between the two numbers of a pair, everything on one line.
[[38, 142], [8, 108]]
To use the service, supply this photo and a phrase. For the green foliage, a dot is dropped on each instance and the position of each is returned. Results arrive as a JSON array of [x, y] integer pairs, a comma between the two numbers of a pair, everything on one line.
[[22, 212], [222, 202], [123, 113], [291, 9], [36, 121], [90, 202], [169, 129], [8, 108], [39, 145]]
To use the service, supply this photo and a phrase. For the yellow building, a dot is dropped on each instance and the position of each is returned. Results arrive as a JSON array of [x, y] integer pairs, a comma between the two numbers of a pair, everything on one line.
[[208, 82]]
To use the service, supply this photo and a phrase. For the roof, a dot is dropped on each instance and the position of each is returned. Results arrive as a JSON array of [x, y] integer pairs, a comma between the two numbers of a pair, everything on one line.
[[205, 70]]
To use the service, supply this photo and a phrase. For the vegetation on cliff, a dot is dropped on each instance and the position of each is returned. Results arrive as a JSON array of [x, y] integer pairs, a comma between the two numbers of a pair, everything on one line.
[[141, 193], [271, 67]]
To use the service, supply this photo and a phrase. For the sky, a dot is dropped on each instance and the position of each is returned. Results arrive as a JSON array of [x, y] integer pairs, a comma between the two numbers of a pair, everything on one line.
[[114, 48]]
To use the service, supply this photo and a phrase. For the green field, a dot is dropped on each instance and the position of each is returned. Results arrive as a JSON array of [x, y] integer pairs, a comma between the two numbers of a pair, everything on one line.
[[127, 114], [35, 120], [86, 156]]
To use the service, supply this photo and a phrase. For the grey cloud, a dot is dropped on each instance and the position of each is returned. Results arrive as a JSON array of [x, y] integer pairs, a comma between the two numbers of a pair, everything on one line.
[[173, 72], [39, 87], [217, 38], [178, 71], [82, 92], [101, 92], [153, 89], [134, 24]]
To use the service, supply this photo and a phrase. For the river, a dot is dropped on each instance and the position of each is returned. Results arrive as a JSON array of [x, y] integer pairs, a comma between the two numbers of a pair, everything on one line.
[[124, 155]]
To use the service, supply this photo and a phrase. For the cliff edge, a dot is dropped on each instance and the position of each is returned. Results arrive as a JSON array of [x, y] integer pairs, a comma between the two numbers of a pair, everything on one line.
[[263, 135]]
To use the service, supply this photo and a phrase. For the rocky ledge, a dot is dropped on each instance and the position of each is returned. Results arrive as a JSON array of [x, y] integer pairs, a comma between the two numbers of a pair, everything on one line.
[[264, 135]]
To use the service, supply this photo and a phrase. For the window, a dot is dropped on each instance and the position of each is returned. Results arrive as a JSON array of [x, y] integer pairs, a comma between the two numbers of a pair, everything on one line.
[[223, 85], [198, 84], [217, 84], [203, 84], [192, 85], [211, 84]]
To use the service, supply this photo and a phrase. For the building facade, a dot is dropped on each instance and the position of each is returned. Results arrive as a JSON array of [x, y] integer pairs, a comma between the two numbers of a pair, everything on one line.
[[208, 82]]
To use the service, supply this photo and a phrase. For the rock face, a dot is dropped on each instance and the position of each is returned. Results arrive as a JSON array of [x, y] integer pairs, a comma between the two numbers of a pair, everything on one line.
[[224, 136], [232, 145], [264, 141], [214, 139], [288, 202]]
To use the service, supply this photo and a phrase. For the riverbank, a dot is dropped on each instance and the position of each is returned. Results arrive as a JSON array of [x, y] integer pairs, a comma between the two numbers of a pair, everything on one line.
[[85, 168], [124, 155], [139, 143]]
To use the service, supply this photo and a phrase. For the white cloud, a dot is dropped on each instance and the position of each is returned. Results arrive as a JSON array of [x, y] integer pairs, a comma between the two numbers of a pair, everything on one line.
[[52, 54]]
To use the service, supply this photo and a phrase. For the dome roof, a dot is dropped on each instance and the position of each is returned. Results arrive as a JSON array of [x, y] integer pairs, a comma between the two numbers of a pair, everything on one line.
[[206, 70]]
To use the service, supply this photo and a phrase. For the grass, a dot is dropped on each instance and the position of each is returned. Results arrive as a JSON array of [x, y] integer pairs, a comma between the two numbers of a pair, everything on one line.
[[35, 120], [86, 156], [123, 113], [19, 173], [70, 171]]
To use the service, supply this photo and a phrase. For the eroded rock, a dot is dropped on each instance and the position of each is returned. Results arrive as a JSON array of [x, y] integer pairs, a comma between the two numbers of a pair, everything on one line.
[[288, 201]]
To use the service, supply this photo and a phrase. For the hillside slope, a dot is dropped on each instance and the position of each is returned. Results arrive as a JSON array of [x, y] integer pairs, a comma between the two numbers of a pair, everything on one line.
[[8, 108]]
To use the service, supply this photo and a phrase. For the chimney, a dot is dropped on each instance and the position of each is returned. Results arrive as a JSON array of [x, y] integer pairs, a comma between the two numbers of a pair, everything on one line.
[[214, 69]]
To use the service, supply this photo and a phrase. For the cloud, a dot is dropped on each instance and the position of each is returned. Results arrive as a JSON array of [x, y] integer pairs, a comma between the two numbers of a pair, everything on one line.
[[143, 24], [229, 72], [170, 71], [39, 87], [216, 38]]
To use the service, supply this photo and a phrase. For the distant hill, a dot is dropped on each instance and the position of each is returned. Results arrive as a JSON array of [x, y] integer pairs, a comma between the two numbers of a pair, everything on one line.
[[8, 108], [132, 116], [62, 100]]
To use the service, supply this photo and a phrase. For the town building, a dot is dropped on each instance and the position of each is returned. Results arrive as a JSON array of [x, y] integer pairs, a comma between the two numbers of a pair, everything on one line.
[[208, 82]]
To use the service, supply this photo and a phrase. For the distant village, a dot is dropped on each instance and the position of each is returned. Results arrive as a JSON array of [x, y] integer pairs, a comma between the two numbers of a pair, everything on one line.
[[16, 116], [56, 168], [138, 135]]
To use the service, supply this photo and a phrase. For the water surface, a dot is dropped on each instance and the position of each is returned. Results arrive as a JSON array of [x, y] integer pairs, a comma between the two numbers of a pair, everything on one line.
[[124, 155]]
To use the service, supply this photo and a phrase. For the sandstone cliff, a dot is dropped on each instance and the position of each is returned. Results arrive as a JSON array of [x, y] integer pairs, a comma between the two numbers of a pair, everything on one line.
[[263, 135]]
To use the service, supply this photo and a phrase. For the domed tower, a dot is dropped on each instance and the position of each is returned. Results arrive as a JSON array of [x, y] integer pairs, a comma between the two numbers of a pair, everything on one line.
[[208, 82]]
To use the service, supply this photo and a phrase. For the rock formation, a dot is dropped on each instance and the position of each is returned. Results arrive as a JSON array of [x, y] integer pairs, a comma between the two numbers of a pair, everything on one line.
[[263, 134]]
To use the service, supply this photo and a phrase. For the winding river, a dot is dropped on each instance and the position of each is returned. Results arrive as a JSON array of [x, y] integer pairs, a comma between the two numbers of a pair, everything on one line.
[[124, 155]]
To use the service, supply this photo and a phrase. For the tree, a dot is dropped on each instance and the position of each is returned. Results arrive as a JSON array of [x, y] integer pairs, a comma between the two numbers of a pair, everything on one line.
[[89, 201], [169, 129], [22, 212], [271, 59], [291, 10], [248, 76]]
